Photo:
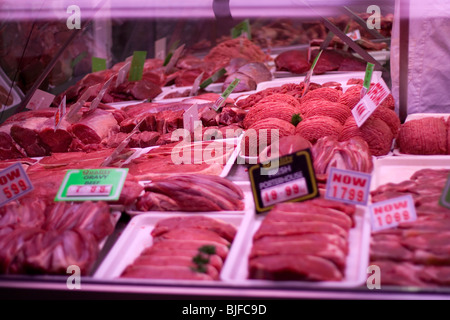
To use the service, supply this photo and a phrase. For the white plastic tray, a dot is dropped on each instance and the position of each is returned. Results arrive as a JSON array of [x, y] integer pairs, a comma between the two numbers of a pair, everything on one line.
[[399, 169], [235, 270], [135, 238], [248, 202]]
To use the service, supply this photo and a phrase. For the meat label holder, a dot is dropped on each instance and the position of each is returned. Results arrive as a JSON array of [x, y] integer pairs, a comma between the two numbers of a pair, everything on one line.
[[242, 29], [92, 185], [60, 113], [98, 64], [216, 76], [219, 103], [14, 183], [137, 66], [391, 213], [292, 180], [445, 199], [371, 101], [367, 79], [347, 186]]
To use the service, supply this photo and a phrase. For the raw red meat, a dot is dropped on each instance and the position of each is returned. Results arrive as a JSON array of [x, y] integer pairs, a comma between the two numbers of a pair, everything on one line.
[[290, 267], [352, 96], [223, 229], [279, 110], [291, 228], [8, 148], [328, 94], [389, 117], [191, 234], [294, 61], [317, 127], [323, 108], [321, 249], [26, 134], [286, 145], [94, 126], [374, 131], [191, 246], [262, 133], [165, 272], [426, 136]]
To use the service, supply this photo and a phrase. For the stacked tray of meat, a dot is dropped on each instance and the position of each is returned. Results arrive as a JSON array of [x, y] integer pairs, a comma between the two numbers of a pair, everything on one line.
[[184, 248], [416, 253], [303, 242]]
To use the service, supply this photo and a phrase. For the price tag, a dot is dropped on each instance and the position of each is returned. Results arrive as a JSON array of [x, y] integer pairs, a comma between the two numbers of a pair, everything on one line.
[[60, 113], [310, 73], [196, 85], [242, 29], [160, 48], [174, 59], [92, 185], [137, 66], [390, 213], [366, 107], [88, 190], [14, 183], [291, 179], [219, 103], [40, 100], [445, 199], [190, 118], [98, 64], [101, 94], [355, 35], [348, 186], [216, 76], [367, 79]]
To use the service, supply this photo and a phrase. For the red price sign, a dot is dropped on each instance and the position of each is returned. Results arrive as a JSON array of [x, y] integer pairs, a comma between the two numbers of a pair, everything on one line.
[[14, 183], [284, 192], [348, 186], [389, 214]]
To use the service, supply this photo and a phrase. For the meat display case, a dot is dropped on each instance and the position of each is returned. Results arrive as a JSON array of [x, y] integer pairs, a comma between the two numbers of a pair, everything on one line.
[[114, 30]]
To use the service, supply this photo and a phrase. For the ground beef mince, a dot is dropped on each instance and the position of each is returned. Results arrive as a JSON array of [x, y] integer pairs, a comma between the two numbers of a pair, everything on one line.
[[427, 136]]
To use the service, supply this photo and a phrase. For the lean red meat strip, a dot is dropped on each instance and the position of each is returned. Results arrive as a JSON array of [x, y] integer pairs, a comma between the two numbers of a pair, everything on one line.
[[191, 234], [316, 238], [320, 249], [164, 272], [164, 261], [292, 228], [289, 267], [223, 229], [190, 246]]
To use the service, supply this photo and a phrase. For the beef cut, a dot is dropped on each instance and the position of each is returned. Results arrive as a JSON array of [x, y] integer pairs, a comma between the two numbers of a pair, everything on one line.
[[294, 61]]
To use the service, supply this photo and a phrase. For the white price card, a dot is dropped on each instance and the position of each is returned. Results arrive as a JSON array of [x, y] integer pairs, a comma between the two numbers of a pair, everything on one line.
[[14, 183], [367, 106], [40, 100], [391, 213], [348, 186]]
